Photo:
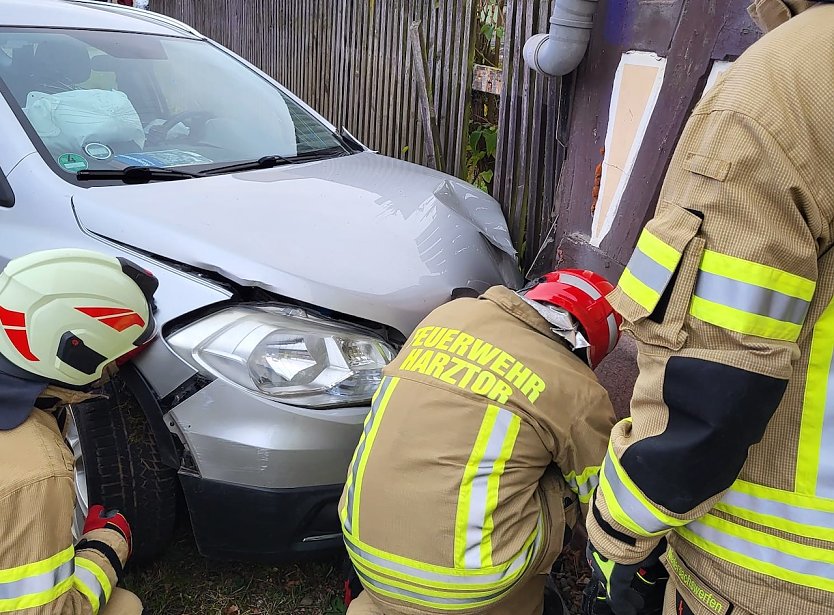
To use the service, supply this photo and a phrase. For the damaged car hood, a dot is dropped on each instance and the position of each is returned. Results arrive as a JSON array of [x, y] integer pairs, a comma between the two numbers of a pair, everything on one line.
[[365, 235]]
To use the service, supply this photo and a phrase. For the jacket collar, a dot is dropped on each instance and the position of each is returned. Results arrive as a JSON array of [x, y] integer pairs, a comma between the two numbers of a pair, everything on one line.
[[514, 305]]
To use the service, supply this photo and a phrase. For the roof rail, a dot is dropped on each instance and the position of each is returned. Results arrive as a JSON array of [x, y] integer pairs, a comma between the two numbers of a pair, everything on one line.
[[143, 14]]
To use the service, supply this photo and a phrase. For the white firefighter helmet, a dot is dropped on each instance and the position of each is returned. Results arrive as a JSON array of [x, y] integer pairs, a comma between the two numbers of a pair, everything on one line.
[[66, 314]]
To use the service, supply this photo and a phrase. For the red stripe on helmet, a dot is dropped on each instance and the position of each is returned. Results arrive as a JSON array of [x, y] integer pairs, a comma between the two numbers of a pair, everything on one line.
[[8, 318], [20, 340], [120, 319], [17, 335], [123, 322], [102, 312]]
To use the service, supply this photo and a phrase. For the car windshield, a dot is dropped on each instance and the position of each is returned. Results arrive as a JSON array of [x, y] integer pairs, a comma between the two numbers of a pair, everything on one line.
[[95, 100]]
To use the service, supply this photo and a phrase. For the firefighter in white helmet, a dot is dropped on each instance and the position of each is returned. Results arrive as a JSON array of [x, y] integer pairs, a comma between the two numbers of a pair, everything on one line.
[[66, 315]]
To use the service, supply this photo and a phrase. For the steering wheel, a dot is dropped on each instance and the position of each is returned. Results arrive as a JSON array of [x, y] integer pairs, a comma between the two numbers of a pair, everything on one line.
[[195, 121]]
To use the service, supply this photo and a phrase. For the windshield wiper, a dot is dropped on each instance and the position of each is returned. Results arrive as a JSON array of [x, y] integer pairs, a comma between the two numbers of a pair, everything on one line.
[[136, 175], [269, 162]]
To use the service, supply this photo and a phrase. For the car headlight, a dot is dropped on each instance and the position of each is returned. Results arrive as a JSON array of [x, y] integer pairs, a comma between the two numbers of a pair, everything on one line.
[[287, 354]]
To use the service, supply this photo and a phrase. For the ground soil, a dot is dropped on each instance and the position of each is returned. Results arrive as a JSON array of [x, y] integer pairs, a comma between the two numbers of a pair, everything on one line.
[[184, 583]]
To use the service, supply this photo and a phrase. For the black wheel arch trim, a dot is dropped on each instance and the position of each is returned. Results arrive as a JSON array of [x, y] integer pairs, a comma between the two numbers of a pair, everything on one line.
[[140, 389]]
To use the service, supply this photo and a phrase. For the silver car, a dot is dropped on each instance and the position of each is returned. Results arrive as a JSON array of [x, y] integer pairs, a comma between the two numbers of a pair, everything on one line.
[[293, 262]]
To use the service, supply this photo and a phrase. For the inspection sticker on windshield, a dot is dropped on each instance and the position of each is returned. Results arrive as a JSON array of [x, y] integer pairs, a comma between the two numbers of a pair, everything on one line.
[[73, 163], [166, 158], [99, 151]]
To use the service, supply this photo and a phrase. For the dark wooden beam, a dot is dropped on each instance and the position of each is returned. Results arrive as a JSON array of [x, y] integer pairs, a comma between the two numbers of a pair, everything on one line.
[[621, 25], [702, 26]]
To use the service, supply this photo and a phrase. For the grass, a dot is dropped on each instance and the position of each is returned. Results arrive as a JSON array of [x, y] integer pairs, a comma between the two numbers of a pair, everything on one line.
[[185, 583]]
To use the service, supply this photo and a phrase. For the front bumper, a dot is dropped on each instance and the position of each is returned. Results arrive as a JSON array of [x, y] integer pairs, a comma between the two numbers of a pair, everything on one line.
[[237, 437], [232, 522]]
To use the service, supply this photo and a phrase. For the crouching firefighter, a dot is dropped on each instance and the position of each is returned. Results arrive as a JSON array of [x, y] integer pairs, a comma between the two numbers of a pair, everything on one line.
[[483, 442], [66, 315]]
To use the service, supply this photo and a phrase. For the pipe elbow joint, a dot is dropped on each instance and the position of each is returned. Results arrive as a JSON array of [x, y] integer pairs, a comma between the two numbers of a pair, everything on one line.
[[554, 57], [560, 51]]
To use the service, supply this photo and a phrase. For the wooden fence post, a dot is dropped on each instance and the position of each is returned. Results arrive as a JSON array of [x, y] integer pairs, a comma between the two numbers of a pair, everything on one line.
[[434, 157]]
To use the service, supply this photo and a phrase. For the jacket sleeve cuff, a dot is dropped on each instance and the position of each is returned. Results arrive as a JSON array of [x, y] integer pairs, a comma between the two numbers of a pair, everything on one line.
[[107, 548], [615, 541]]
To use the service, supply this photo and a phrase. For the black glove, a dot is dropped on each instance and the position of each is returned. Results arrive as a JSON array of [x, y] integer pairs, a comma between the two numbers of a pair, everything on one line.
[[621, 589]]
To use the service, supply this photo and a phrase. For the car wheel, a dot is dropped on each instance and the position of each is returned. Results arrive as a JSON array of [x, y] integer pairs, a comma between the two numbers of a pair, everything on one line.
[[118, 465]]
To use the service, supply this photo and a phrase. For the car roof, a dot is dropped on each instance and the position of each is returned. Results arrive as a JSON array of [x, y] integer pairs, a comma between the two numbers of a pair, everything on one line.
[[89, 14]]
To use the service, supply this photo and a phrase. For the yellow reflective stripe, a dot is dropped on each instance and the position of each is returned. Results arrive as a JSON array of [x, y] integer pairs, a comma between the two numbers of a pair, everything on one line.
[[363, 462], [583, 484], [795, 513], [814, 403], [17, 573], [415, 598], [743, 322], [786, 497], [641, 293], [492, 490], [456, 591], [81, 562], [627, 504], [91, 594], [737, 545], [751, 298], [469, 473], [584, 477], [757, 274], [500, 574], [658, 250], [23, 582], [649, 270], [30, 601]]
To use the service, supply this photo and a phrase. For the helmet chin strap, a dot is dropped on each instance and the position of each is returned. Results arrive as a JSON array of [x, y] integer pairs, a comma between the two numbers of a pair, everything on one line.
[[562, 323], [66, 397]]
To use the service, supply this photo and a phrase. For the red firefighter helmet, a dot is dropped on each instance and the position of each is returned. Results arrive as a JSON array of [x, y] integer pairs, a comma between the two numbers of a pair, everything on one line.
[[582, 294]]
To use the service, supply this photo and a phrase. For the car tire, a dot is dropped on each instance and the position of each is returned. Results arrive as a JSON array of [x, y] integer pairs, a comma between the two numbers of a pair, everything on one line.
[[124, 469]]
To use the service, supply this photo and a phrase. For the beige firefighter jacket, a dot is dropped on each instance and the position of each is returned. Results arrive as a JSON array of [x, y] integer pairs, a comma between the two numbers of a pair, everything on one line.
[[448, 503], [729, 295], [41, 572]]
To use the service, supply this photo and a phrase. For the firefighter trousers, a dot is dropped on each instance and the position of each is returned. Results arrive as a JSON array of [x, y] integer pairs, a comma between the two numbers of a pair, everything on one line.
[[122, 602], [526, 599]]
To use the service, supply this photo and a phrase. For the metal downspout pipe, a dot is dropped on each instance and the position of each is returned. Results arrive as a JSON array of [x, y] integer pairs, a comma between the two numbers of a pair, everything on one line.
[[560, 51]]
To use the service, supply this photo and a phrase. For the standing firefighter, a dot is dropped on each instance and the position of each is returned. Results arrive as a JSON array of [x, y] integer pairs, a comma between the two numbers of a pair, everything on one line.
[[729, 294], [453, 503], [66, 314]]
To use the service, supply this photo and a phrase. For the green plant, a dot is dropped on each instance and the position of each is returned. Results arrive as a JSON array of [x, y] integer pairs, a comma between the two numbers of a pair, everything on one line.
[[491, 19], [480, 155]]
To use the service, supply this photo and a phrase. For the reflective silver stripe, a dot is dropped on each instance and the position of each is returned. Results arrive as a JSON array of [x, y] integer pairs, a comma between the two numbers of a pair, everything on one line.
[[761, 553], [751, 298], [581, 284], [796, 514], [464, 578], [37, 583], [409, 596], [585, 488], [480, 483], [383, 387], [825, 472], [633, 507], [649, 271], [428, 576], [613, 332], [86, 577]]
